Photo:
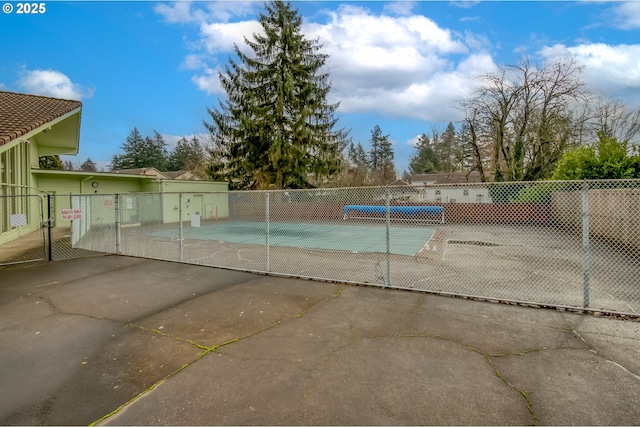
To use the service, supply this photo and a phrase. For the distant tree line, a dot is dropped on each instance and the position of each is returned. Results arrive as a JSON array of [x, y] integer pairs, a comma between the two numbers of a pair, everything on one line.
[[146, 152], [375, 167], [448, 151], [56, 163]]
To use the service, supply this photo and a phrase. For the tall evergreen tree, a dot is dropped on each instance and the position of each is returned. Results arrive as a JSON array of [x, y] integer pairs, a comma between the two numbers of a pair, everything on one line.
[[188, 154], [155, 151], [381, 157], [68, 165], [381, 151], [276, 125], [357, 156], [50, 162], [362, 159], [450, 149], [132, 155], [141, 152], [359, 163], [425, 160], [89, 166]]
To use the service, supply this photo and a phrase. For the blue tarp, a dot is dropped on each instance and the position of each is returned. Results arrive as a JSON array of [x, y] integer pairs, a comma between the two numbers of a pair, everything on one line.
[[404, 210]]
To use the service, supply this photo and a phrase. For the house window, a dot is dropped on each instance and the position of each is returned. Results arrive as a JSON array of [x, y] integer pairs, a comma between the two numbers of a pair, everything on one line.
[[13, 173]]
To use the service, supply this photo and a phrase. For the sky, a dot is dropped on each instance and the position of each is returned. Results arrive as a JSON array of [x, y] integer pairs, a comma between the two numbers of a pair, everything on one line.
[[402, 65]]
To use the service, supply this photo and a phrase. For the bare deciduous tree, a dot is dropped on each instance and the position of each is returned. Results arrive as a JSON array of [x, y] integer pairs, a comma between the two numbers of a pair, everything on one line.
[[522, 117]]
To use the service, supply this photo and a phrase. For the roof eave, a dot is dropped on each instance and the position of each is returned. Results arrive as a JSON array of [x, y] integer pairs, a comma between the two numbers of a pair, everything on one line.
[[41, 131]]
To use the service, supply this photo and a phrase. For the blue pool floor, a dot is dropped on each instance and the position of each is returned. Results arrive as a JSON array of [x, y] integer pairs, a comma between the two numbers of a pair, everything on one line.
[[340, 237]]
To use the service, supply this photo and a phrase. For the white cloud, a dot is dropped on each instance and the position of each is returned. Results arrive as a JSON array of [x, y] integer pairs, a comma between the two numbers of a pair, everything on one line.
[[178, 12], [464, 4], [433, 98], [225, 10], [102, 165], [396, 65], [476, 42], [470, 19], [352, 27], [172, 140], [401, 7], [627, 15], [413, 142], [220, 37], [52, 83], [209, 81], [193, 62], [184, 12], [609, 69]]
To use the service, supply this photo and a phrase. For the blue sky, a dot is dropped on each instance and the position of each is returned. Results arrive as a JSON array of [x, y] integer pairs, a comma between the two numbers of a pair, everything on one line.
[[401, 65]]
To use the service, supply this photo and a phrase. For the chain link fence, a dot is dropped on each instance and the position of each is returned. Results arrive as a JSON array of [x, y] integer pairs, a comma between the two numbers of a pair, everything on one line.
[[22, 235], [564, 244]]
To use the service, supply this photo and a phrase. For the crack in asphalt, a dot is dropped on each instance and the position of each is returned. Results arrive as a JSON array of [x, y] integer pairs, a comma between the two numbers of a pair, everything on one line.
[[522, 392], [594, 351], [206, 350], [487, 356]]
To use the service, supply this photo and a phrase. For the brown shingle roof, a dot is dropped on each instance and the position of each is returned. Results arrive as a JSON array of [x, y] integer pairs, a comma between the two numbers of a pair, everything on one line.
[[140, 171], [21, 113], [173, 174], [182, 175]]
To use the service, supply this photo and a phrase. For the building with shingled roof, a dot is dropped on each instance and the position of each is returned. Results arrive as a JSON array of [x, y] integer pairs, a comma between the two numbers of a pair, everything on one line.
[[32, 126]]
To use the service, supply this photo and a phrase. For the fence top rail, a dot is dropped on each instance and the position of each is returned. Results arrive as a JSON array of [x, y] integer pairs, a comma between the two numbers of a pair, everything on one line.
[[577, 184], [26, 187]]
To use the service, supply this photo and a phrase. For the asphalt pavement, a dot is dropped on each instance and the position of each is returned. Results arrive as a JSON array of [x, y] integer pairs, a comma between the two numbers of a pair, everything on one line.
[[127, 341]]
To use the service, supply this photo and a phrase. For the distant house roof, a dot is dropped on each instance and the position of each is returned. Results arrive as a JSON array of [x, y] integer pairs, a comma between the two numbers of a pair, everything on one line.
[[142, 171], [445, 178], [184, 175], [21, 113]]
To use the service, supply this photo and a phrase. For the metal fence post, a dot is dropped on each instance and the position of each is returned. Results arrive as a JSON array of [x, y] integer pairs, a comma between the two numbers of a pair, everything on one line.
[[117, 213], [388, 221], [49, 227], [267, 219], [585, 242], [180, 222]]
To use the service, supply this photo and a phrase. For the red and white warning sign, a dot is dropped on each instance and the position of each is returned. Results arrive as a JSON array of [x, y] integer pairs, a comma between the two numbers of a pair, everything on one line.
[[71, 214]]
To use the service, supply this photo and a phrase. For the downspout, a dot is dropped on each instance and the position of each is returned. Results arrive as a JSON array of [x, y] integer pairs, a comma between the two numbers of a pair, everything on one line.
[[82, 183], [159, 181]]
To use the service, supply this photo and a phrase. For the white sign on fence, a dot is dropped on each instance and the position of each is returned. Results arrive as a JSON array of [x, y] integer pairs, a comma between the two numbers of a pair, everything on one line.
[[71, 214], [195, 220], [18, 220]]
